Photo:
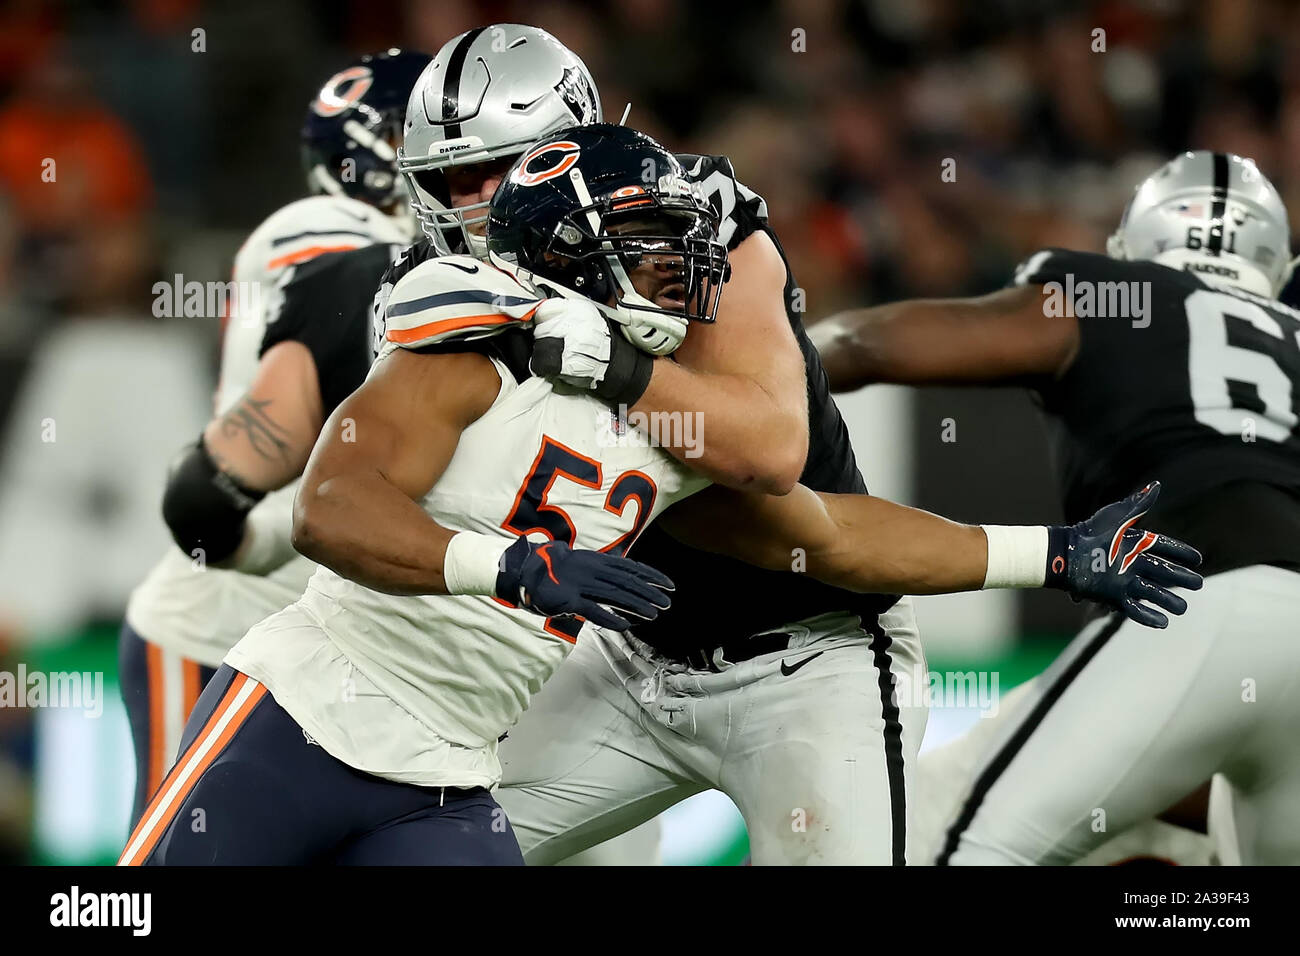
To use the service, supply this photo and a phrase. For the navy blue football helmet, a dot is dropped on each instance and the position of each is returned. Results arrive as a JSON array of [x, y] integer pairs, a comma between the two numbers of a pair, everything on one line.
[[352, 125], [583, 207]]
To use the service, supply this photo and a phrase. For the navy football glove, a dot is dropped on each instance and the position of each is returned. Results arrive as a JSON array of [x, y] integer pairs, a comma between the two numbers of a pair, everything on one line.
[[1108, 560], [555, 580]]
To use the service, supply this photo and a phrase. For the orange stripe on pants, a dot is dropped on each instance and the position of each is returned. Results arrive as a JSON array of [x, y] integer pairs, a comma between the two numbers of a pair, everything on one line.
[[157, 717], [209, 742], [189, 688]]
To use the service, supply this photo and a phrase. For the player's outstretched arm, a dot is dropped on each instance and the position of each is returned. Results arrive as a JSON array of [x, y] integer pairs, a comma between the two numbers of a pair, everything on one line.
[[381, 452], [857, 542], [743, 379], [868, 544], [259, 445], [996, 337]]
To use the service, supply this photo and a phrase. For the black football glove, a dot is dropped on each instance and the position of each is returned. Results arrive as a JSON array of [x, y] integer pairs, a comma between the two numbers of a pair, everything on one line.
[[1107, 559], [555, 580]]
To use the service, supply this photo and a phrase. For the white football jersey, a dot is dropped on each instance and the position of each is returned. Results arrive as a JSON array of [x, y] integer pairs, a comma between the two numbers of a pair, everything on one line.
[[455, 673], [201, 612]]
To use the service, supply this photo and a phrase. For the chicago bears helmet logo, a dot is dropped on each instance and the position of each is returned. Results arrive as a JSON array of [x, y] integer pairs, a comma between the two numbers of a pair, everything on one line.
[[342, 90], [546, 162]]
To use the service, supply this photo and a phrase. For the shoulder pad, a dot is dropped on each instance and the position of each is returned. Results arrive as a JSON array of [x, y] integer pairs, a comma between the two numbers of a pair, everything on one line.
[[455, 297], [741, 211], [309, 227]]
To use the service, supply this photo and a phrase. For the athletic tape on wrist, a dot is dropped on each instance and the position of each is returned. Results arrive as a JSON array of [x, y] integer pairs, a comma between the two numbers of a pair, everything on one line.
[[472, 562], [1017, 556]]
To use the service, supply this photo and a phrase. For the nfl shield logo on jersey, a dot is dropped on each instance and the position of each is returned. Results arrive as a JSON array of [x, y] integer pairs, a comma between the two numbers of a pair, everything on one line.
[[611, 426]]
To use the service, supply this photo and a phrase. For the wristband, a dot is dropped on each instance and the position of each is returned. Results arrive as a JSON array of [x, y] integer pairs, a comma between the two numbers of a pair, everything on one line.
[[472, 562], [1017, 556], [1058, 558], [628, 374]]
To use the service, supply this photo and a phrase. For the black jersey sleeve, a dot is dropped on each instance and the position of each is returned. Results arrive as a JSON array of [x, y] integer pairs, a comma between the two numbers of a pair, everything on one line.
[[741, 211], [326, 305]]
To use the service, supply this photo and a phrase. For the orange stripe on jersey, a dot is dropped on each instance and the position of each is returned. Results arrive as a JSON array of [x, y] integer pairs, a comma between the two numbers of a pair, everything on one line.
[[221, 727], [157, 718], [442, 326], [302, 255]]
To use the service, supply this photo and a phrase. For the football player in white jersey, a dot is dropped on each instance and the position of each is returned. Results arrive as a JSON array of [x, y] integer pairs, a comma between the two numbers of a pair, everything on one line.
[[465, 127], [749, 385], [475, 521], [185, 616]]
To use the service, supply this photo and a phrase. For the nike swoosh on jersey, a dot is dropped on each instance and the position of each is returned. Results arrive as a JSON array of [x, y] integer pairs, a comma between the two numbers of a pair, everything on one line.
[[470, 269], [787, 669]]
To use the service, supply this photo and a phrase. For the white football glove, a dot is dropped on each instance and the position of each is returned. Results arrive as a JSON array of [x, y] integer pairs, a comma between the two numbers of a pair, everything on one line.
[[573, 343]]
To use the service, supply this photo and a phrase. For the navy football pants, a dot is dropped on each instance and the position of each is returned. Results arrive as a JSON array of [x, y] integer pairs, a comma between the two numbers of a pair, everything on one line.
[[250, 788], [160, 689]]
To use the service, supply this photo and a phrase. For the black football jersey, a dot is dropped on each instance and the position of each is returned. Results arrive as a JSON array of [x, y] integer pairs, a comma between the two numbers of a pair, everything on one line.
[[325, 304], [719, 599], [1194, 384]]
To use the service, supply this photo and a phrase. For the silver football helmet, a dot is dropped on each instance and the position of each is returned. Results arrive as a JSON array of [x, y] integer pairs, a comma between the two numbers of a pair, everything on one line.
[[1214, 214], [488, 94]]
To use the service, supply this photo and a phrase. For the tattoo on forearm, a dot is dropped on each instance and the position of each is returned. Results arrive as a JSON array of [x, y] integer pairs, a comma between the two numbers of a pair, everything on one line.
[[265, 435]]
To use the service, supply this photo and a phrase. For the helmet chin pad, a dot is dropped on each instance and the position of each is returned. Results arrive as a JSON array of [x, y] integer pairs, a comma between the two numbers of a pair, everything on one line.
[[651, 331]]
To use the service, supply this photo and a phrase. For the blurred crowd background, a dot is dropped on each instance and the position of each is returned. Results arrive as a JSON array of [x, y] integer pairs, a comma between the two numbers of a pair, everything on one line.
[[143, 139]]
